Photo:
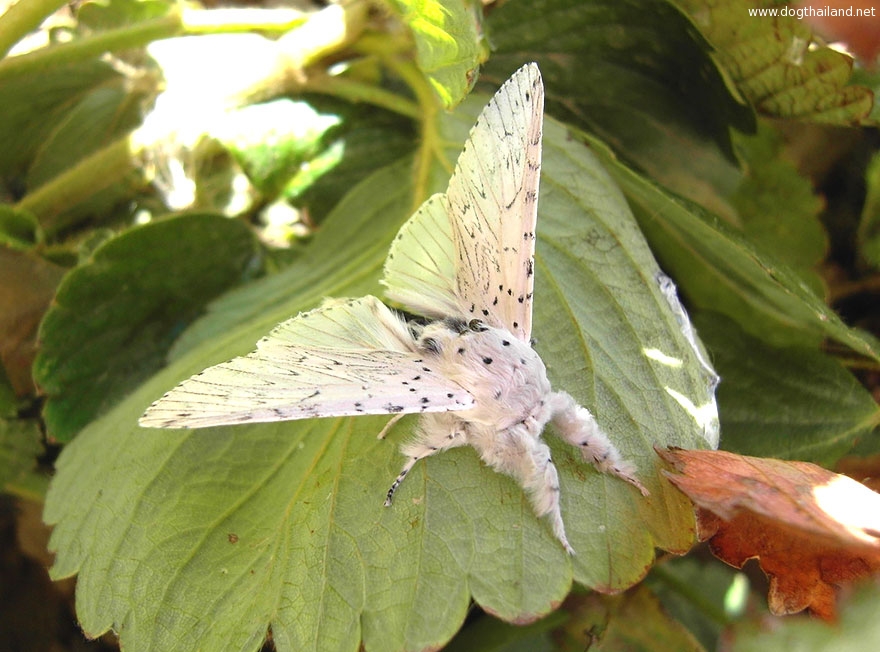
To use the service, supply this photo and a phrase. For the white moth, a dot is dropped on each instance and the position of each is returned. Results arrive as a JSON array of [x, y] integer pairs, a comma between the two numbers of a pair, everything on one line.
[[465, 260]]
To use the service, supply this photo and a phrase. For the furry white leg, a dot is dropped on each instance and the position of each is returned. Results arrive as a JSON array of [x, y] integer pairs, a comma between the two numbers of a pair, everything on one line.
[[578, 427], [517, 452], [437, 432]]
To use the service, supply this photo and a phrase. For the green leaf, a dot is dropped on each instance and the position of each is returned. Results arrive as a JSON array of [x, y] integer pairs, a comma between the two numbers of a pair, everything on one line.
[[693, 590], [719, 270], [20, 445], [272, 140], [777, 64], [488, 634], [448, 43], [115, 315], [869, 226], [49, 95], [364, 141], [106, 112], [788, 403], [632, 621], [232, 530], [871, 79], [777, 206]]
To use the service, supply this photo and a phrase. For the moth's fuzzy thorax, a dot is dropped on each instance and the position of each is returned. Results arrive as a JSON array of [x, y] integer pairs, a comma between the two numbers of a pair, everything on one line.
[[505, 375]]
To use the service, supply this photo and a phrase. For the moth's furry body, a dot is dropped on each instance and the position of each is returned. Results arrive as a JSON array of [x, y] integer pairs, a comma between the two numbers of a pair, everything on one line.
[[513, 403]]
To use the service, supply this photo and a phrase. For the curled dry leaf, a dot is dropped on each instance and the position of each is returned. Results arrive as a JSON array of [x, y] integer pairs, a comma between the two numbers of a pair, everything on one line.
[[811, 530]]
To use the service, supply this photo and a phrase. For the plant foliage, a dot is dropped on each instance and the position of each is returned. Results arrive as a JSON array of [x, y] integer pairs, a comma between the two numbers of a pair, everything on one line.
[[176, 181]]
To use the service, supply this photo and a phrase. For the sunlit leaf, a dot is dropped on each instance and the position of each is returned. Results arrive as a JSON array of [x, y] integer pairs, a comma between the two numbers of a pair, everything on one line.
[[448, 43]]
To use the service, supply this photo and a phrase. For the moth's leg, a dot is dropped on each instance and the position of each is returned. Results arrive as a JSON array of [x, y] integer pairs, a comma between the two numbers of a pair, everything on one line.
[[437, 432], [578, 427], [388, 426], [517, 452]]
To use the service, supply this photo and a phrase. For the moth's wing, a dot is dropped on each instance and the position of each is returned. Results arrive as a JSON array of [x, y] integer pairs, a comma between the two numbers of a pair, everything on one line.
[[493, 203], [358, 324], [420, 268], [343, 359]]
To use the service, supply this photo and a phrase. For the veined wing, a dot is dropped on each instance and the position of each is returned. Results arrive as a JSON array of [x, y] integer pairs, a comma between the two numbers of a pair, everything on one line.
[[420, 268], [493, 203], [343, 359]]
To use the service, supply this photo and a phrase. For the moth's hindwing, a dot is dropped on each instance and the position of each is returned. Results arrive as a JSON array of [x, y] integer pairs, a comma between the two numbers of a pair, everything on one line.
[[420, 268]]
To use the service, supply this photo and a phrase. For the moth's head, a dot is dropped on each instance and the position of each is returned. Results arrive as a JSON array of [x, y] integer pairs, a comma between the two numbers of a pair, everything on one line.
[[463, 326], [435, 336]]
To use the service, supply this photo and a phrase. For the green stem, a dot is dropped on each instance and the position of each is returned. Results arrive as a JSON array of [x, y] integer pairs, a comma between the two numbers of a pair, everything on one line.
[[228, 20], [106, 167], [354, 91], [33, 63], [327, 31], [22, 18], [428, 107]]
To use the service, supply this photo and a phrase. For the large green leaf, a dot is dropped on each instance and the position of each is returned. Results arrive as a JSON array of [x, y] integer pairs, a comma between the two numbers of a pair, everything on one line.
[[114, 315], [203, 539]]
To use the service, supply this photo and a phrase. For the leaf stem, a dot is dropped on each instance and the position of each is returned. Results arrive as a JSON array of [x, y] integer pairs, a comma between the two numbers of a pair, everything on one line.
[[428, 105], [38, 61], [106, 167], [22, 18], [308, 38]]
